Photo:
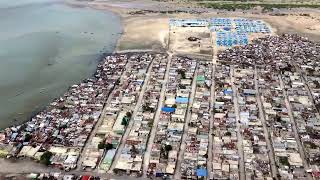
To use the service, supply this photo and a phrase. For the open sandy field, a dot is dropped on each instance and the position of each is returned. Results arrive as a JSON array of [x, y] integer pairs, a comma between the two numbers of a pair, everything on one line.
[[155, 30], [179, 42], [150, 29]]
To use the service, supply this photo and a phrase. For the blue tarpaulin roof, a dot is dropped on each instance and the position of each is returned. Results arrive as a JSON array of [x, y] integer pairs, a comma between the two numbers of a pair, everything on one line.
[[182, 100], [202, 172], [168, 109], [227, 91]]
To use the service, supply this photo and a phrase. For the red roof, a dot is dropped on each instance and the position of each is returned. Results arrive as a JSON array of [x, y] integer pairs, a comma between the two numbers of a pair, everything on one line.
[[85, 177], [316, 173]]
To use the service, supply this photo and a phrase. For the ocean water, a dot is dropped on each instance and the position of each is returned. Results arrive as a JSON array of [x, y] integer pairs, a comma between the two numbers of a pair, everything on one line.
[[46, 46]]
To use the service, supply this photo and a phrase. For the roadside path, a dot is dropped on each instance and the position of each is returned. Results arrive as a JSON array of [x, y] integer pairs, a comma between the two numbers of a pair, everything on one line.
[[146, 158], [239, 129]]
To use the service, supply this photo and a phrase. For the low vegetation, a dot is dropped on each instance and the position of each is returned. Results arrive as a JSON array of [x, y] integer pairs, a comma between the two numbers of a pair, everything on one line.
[[106, 146], [246, 6]]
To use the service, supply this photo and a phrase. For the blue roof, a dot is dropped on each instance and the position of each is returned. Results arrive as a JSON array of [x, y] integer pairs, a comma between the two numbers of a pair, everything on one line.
[[227, 91], [226, 28], [202, 172], [168, 109], [182, 100]]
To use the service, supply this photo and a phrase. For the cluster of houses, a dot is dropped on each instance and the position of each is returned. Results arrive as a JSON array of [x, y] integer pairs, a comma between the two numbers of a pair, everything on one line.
[[305, 114], [195, 157], [65, 124], [256, 160], [132, 154], [225, 161], [117, 113], [280, 127], [302, 82], [290, 86], [170, 127], [51, 176]]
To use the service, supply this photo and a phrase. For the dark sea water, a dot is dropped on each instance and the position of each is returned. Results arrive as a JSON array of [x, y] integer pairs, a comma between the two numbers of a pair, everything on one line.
[[46, 46]]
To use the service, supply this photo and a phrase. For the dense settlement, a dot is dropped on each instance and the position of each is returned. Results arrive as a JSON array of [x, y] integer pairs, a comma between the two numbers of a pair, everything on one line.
[[253, 114]]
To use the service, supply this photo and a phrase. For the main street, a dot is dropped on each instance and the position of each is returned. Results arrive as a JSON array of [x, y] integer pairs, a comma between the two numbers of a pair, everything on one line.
[[239, 129], [294, 128], [98, 124], [146, 158], [274, 169], [212, 101], [177, 173], [129, 127]]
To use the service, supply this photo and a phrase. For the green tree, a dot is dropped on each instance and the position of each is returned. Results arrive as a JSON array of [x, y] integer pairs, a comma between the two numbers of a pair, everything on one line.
[[117, 82], [168, 148], [124, 121], [101, 145], [150, 123], [228, 133], [182, 73], [45, 158], [27, 137], [284, 161], [129, 114], [108, 146]]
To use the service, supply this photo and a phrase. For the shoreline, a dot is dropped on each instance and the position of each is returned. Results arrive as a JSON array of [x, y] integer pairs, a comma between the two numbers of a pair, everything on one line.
[[131, 40]]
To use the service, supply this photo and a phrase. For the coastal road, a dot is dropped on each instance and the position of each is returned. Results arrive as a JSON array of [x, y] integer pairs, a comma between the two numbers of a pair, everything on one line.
[[294, 128], [146, 158], [274, 169], [177, 174], [239, 129], [135, 111], [26, 167]]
